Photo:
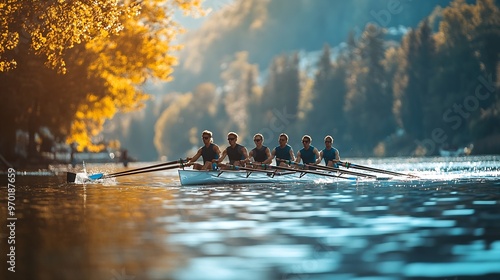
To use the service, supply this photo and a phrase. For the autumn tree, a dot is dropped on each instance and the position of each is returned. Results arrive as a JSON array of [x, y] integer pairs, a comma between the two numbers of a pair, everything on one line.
[[72, 65]]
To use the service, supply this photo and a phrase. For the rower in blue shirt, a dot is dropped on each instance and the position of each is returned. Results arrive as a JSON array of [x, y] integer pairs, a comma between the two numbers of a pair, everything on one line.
[[329, 153], [309, 154], [282, 153]]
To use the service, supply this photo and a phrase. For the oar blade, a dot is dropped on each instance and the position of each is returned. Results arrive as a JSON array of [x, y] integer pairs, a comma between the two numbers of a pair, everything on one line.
[[70, 177], [96, 176], [341, 171]]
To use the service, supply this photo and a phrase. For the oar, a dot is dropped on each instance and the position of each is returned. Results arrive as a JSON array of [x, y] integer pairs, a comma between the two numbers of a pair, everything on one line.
[[143, 171], [367, 168], [300, 170], [237, 167], [330, 169], [147, 167], [71, 176]]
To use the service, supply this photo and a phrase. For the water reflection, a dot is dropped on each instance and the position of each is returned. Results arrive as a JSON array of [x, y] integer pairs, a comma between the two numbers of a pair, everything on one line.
[[89, 232], [148, 227], [379, 228]]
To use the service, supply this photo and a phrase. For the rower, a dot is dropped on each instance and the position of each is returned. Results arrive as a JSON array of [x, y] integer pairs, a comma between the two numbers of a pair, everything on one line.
[[260, 153], [237, 153], [208, 152], [309, 154], [283, 152], [329, 153]]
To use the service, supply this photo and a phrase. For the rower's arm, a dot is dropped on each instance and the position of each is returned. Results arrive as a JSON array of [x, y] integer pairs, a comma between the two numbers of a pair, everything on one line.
[[297, 160], [318, 156], [222, 157], [217, 151], [268, 156], [292, 156], [195, 157], [269, 160], [245, 154], [250, 157]]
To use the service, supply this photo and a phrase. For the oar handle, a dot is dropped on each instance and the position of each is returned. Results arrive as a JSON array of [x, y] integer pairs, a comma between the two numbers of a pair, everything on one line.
[[179, 161], [345, 164], [145, 171], [287, 161]]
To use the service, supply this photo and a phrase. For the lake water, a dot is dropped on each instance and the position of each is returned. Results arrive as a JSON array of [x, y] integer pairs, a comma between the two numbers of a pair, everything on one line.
[[445, 225]]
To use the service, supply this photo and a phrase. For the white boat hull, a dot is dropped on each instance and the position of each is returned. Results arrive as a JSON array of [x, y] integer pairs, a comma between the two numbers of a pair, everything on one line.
[[196, 177]]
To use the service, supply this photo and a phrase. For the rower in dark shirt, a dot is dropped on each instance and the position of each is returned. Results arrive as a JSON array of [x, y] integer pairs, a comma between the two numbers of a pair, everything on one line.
[[209, 152], [260, 153], [237, 153]]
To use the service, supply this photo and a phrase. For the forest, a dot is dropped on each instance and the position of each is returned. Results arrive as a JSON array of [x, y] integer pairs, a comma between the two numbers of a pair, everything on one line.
[[376, 93], [435, 87]]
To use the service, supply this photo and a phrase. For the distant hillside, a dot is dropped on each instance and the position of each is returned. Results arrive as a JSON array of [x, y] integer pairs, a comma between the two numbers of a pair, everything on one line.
[[267, 28]]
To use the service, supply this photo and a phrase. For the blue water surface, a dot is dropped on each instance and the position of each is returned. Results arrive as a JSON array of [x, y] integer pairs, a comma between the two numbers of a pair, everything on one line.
[[443, 225]]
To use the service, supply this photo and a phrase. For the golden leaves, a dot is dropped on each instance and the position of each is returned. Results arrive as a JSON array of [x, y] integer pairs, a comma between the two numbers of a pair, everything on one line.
[[103, 51], [52, 27]]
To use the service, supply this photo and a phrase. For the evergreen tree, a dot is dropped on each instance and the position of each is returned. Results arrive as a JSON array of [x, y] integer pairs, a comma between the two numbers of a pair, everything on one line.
[[486, 38], [457, 70], [368, 104], [254, 107], [328, 96], [412, 83], [281, 94]]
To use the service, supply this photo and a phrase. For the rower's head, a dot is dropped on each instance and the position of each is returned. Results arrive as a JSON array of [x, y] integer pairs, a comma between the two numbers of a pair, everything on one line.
[[328, 141], [232, 138], [206, 135], [306, 141], [258, 139], [283, 139]]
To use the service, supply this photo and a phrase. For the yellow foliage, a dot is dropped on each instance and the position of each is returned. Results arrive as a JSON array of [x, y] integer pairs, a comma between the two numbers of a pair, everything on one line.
[[109, 47]]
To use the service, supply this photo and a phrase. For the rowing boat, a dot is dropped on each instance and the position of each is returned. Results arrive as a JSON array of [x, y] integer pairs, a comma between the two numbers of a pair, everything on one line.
[[189, 177], [244, 175]]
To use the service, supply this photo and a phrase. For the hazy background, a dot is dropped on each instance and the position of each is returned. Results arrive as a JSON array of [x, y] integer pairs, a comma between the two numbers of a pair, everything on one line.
[[384, 77], [241, 38]]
